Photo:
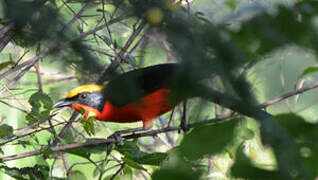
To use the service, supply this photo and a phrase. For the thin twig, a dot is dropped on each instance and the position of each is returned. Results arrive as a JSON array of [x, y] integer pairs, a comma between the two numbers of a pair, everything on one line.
[[37, 69], [12, 106], [288, 94], [6, 34], [68, 174], [115, 64], [106, 23]]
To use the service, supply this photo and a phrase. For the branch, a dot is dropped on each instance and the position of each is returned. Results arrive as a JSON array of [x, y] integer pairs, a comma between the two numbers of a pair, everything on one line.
[[101, 142], [287, 95], [6, 34]]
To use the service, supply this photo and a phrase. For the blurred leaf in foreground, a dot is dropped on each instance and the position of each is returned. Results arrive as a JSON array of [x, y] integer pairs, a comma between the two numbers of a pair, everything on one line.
[[208, 139], [243, 168], [305, 135]]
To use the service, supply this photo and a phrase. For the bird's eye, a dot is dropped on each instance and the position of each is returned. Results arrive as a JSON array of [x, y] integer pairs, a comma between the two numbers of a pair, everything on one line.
[[83, 96]]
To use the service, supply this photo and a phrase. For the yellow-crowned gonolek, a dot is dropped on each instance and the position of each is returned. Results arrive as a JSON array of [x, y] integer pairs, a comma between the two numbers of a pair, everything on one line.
[[138, 95]]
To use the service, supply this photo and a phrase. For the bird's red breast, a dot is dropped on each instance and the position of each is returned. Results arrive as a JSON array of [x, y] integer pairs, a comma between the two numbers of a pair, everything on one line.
[[146, 109]]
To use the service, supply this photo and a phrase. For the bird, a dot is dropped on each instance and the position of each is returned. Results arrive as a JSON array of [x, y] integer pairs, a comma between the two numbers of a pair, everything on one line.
[[138, 95]]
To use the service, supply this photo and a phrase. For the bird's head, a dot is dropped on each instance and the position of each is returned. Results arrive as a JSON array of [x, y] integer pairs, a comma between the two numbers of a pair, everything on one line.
[[86, 97]]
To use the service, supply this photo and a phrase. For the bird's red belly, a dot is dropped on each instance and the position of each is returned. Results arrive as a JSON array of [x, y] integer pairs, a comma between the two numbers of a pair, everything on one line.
[[149, 107]]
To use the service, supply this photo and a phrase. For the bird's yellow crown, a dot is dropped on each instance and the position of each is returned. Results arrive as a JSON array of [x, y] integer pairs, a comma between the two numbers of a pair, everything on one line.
[[84, 88]]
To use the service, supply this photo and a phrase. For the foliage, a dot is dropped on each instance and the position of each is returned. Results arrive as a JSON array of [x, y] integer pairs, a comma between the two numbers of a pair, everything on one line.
[[220, 46]]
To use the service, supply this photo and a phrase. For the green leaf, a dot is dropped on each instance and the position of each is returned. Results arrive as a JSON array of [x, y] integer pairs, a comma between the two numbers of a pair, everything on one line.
[[301, 130], [79, 152], [37, 172], [77, 175], [309, 70], [47, 152], [133, 164], [23, 143], [89, 125], [154, 159], [41, 105], [244, 132], [131, 151], [5, 64], [243, 168], [97, 149], [231, 4], [176, 168], [107, 40], [115, 44], [208, 140], [5, 130], [305, 135], [86, 152], [40, 99]]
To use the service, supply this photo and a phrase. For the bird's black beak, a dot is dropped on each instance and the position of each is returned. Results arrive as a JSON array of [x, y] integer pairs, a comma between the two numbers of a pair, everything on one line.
[[63, 103]]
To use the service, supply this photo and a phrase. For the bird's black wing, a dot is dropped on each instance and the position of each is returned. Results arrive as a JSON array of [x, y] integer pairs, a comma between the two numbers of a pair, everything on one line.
[[132, 86]]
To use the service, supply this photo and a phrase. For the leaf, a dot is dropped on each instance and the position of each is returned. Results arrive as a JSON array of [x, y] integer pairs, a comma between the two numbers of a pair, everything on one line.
[[97, 149], [77, 175], [301, 130], [115, 44], [89, 125], [133, 164], [5, 130], [36, 172], [247, 134], [208, 140], [242, 168], [131, 151], [39, 99], [23, 143], [47, 151], [309, 70], [244, 132], [86, 152], [5, 64], [41, 105], [305, 135], [176, 168], [154, 159], [79, 152], [107, 40], [231, 4]]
